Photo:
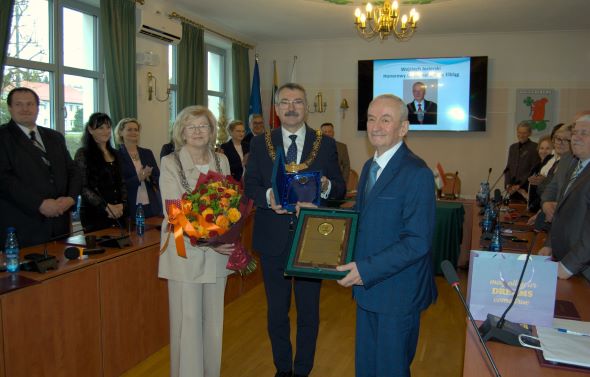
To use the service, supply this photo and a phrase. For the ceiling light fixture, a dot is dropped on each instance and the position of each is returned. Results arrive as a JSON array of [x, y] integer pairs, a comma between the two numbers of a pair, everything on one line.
[[385, 21]]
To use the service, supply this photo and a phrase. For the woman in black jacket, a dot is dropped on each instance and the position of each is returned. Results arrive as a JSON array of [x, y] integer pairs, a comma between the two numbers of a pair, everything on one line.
[[104, 195]]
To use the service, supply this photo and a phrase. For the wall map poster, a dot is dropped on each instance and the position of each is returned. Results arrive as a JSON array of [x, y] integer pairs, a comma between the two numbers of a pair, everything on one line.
[[538, 107]]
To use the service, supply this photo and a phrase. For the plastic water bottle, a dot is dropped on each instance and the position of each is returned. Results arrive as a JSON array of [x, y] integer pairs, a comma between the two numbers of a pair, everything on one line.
[[12, 250], [487, 222], [496, 244], [140, 220]]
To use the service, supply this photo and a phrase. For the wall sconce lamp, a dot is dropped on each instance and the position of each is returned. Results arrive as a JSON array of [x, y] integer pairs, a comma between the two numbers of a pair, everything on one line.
[[319, 106], [152, 86], [343, 107]]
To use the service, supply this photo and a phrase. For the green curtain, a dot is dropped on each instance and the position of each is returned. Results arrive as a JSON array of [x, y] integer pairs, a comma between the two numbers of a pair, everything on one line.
[[241, 81], [117, 33], [6, 8], [191, 67]]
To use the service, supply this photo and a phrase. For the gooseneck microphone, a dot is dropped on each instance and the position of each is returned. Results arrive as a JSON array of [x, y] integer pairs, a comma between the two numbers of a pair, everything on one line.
[[116, 242], [499, 177], [452, 278], [489, 173]]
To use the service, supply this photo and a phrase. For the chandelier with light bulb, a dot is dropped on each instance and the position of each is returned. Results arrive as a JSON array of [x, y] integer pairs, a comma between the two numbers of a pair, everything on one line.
[[385, 21]]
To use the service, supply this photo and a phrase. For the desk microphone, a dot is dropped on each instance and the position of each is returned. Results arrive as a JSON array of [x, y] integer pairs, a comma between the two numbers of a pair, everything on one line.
[[501, 330], [489, 173], [498, 179], [452, 278], [115, 242], [72, 252], [41, 262]]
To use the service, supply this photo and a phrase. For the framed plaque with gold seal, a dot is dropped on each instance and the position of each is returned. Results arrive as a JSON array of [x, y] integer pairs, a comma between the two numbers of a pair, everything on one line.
[[324, 239]]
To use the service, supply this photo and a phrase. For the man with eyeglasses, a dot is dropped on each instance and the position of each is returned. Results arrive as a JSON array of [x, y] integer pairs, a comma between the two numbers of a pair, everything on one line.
[[39, 182], [522, 158], [256, 124], [274, 226], [569, 239]]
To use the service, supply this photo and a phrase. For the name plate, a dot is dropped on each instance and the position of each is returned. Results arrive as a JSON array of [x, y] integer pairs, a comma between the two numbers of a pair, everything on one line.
[[324, 238]]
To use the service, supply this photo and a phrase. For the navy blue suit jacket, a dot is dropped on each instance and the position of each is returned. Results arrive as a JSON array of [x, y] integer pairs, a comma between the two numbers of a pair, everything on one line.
[[270, 229], [394, 239], [132, 181]]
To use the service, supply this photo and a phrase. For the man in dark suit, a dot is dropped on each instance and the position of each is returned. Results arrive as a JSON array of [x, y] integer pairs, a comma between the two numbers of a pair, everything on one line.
[[39, 182], [522, 158], [343, 159], [391, 275], [256, 124], [274, 227], [420, 110], [569, 237]]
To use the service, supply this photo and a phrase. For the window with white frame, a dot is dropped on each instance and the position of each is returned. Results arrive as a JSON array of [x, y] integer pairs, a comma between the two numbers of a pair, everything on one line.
[[58, 60], [216, 84]]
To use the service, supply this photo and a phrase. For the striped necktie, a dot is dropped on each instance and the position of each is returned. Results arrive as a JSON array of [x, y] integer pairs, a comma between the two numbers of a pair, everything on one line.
[[573, 177], [40, 146]]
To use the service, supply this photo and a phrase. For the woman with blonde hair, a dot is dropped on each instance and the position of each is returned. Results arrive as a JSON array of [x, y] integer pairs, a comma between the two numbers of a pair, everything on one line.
[[140, 170], [235, 149], [196, 284]]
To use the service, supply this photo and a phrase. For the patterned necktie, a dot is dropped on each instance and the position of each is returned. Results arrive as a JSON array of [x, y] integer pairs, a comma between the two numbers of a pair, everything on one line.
[[36, 143], [372, 177], [292, 151], [574, 175], [420, 113]]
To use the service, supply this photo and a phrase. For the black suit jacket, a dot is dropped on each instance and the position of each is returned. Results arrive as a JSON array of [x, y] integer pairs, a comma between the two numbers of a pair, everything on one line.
[[235, 162], [270, 229], [25, 181], [430, 112], [132, 181]]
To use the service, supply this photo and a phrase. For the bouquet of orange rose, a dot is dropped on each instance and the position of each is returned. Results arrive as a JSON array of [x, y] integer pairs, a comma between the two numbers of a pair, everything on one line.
[[213, 213]]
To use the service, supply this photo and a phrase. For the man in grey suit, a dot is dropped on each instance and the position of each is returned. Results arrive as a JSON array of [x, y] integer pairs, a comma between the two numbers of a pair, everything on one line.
[[341, 148], [39, 182], [568, 241]]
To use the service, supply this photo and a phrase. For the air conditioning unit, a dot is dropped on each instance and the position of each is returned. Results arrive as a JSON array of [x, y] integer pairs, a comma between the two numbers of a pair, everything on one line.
[[157, 25]]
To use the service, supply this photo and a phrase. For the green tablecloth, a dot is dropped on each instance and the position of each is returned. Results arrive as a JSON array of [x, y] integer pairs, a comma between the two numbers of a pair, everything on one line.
[[448, 233]]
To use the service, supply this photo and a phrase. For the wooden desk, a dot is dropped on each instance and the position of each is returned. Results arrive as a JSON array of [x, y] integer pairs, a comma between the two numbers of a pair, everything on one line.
[[521, 362], [93, 317], [517, 361]]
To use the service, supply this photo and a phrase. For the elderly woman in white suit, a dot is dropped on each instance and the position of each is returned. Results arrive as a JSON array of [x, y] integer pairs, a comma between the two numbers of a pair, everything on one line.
[[196, 284]]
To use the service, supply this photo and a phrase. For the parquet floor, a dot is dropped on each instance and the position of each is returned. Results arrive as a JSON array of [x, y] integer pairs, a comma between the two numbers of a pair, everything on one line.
[[246, 348]]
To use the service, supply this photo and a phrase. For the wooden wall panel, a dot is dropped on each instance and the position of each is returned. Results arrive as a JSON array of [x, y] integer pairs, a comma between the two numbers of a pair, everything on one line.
[[134, 309], [53, 328]]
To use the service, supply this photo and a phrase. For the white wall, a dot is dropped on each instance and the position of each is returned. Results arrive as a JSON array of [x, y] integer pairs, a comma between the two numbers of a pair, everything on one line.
[[557, 60], [526, 60]]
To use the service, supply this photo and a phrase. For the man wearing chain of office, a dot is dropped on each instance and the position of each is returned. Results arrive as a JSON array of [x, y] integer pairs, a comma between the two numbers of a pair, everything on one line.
[[305, 149]]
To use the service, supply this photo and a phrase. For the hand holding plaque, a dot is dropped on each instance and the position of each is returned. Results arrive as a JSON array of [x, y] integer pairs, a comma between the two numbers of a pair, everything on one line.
[[324, 239], [292, 187]]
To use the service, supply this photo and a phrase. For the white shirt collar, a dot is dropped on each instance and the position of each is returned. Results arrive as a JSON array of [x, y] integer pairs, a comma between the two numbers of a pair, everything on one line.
[[383, 160]]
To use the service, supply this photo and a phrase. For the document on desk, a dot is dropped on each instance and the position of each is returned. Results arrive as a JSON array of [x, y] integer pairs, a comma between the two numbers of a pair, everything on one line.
[[568, 342]]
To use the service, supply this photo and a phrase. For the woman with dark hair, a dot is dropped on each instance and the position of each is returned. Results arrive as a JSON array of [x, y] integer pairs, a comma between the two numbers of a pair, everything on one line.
[[140, 171], [104, 195]]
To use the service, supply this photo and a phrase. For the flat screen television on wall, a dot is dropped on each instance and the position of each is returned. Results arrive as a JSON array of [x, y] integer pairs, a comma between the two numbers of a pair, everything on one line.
[[442, 94]]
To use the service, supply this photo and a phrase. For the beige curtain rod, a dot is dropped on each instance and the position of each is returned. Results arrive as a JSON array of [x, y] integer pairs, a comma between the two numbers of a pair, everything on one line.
[[189, 21]]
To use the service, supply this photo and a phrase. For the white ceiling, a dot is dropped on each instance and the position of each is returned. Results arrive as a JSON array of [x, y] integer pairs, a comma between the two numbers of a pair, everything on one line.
[[281, 20]]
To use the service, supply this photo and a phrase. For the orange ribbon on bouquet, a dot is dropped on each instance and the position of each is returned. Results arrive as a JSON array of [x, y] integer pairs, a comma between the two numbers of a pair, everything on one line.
[[178, 220]]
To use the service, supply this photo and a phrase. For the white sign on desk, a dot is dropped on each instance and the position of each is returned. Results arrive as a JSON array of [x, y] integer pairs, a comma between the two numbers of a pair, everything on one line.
[[492, 281]]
